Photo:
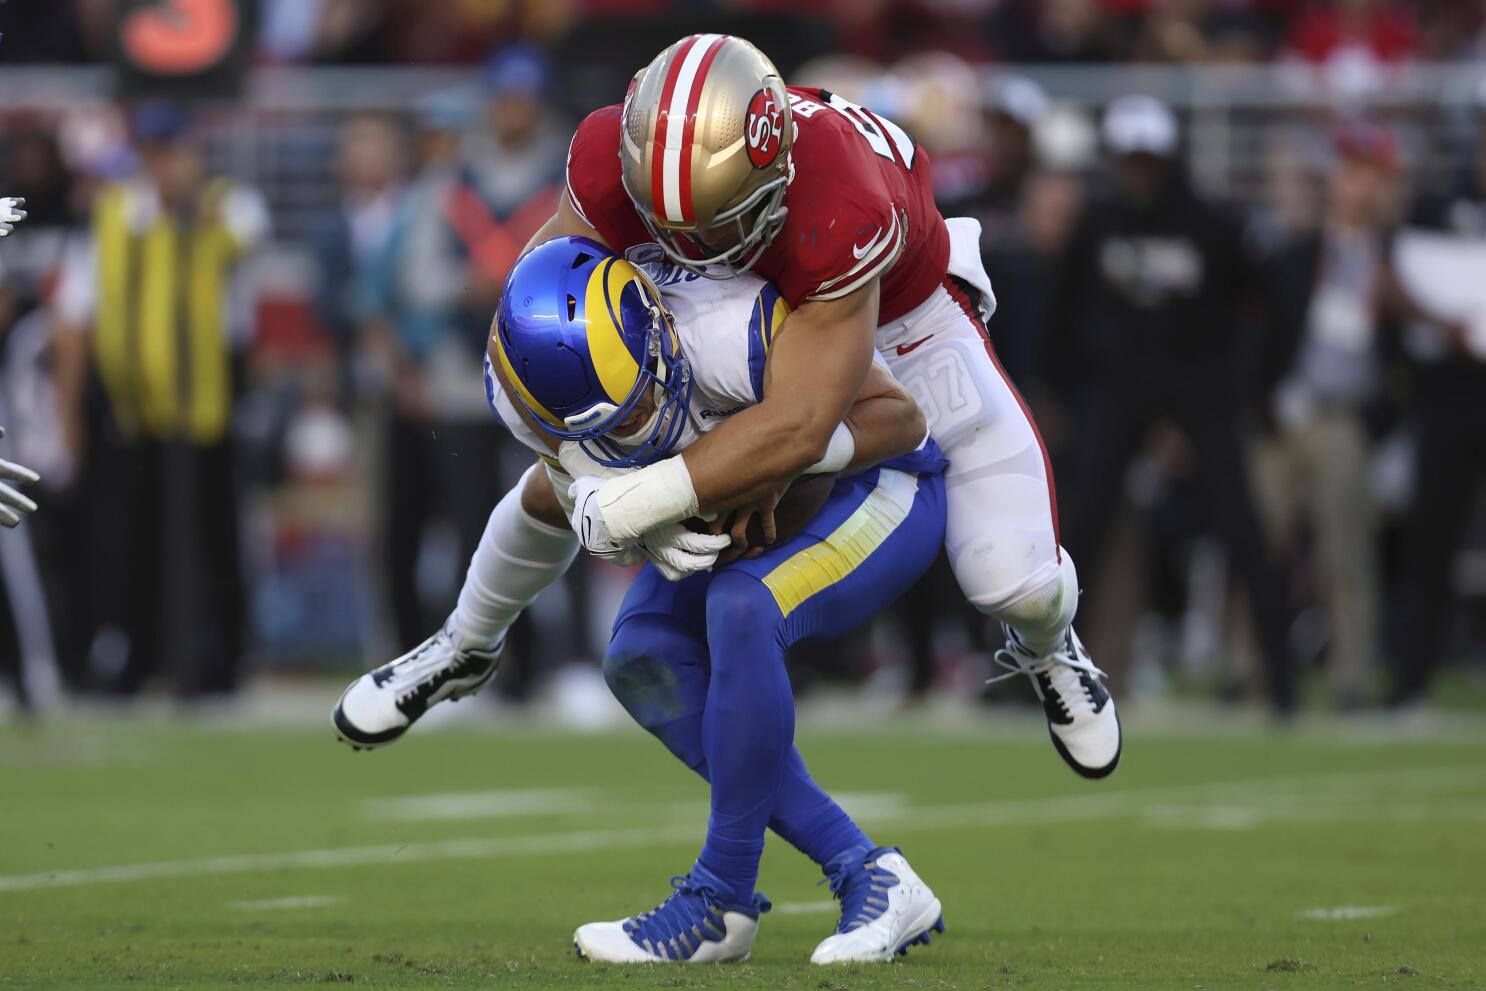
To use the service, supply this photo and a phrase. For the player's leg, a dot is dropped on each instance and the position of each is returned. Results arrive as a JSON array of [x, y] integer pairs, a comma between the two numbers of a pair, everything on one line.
[[658, 667], [1450, 464], [518, 557], [1223, 471], [876, 535], [732, 719], [1002, 529]]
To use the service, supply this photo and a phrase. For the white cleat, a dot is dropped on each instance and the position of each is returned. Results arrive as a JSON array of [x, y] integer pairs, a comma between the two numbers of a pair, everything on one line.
[[383, 704], [693, 925], [885, 908], [1081, 716]]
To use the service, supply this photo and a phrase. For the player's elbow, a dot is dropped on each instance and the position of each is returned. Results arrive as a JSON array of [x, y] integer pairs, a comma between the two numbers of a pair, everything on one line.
[[912, 425], [802, 443]]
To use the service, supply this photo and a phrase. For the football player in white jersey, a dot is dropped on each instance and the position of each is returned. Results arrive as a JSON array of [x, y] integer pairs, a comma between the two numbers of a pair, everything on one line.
[[610, 364], [12, 503]]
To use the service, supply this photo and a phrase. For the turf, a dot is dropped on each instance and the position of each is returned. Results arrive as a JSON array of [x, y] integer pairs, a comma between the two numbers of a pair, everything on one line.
[[1210, 860]]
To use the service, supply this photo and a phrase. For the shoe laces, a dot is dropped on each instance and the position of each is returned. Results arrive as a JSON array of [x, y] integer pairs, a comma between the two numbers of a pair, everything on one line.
[[1063, 667], [861, 886], [434, 662], [690, 916]]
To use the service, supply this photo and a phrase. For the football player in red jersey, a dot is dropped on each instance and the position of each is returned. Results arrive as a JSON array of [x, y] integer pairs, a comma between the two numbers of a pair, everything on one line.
[[712, 156]]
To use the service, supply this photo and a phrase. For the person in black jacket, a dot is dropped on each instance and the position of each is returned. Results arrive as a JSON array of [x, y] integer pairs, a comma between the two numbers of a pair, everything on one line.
[[1449, 420], [1144, 326], [1326, 337]]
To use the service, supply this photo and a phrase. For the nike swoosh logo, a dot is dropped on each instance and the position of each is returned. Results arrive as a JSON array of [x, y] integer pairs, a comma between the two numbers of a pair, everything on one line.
[[905, 348], [859, 252]]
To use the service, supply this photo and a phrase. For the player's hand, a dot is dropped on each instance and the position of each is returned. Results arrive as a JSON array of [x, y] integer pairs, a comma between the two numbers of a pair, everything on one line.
[[592, 530], [12, 503], [737, 525], [10, 215], [678, 552]]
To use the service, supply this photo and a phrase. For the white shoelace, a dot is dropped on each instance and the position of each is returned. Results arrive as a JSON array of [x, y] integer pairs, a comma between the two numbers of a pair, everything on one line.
[[1062, 669], [426, 662]]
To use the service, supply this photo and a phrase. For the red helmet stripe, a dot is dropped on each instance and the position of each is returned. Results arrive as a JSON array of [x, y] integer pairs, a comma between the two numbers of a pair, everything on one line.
[[688, 214], [663, 125]]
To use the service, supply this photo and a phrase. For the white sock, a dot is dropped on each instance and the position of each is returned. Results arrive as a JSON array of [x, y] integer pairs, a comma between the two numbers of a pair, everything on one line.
[[1042, 615], [518, 557]]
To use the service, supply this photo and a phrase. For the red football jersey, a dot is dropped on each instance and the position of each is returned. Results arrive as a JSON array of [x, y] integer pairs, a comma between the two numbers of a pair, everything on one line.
[[861, 204]]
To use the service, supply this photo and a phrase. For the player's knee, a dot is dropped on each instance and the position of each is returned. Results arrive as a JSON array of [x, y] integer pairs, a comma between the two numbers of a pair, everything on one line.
[[998, 565], [643, 683], [1043, 608]]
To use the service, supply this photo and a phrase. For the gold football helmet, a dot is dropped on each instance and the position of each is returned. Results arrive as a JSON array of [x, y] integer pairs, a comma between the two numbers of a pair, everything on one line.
[[705, 146]]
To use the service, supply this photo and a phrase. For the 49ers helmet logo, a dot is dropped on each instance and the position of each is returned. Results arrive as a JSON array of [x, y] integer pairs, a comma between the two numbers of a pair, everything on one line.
[[761, 128]]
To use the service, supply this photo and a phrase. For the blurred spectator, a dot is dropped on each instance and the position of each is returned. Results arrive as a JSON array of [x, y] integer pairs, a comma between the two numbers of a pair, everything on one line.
[[1142, 327], [471, 211], [1015, 254], [1354, 35], [352, 249], [143, 310], [1449, 420], [1321, 374], [1054, 31], [1202, 31]]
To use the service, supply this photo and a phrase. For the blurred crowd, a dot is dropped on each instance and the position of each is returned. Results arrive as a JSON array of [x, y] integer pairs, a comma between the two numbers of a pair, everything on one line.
[[374, 32], [1268, 428]]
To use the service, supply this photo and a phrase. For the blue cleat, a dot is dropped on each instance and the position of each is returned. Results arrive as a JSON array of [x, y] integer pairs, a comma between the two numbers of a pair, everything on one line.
[[885, 907], [696, 924]]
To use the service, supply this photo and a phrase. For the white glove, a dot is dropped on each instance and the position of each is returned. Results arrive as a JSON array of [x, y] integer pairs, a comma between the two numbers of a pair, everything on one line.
[[593, 532], [10, 215], [677, 552], [12, 503]]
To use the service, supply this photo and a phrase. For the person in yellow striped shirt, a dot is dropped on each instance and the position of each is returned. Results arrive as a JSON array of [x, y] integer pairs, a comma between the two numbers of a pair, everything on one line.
[[143, 309]]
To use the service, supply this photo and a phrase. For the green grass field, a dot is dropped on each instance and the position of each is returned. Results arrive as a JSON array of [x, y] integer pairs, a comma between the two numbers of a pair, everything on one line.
[[190, 855]]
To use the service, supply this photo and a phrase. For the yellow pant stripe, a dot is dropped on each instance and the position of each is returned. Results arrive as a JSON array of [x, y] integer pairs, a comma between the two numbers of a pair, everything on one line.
[[819, 566]]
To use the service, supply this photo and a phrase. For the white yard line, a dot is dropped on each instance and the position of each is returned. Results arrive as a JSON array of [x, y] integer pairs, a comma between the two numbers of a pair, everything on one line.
[[292, 902], [804, 908], [483, 805], [1035, 811], [1343, 913], [356, 856]]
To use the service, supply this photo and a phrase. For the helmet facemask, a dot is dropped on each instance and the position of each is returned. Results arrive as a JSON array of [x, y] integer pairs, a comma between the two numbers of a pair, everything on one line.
[[757, 221]]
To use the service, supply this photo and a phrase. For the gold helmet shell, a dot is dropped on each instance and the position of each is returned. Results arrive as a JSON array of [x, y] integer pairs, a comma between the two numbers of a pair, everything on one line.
[[705, 148]]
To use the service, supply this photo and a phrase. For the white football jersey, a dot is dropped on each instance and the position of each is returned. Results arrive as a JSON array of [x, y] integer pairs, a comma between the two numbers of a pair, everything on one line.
[[726, 327]]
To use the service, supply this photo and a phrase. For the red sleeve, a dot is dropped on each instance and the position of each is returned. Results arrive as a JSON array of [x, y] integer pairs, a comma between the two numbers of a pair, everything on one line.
[[843, 231], [594, 182]]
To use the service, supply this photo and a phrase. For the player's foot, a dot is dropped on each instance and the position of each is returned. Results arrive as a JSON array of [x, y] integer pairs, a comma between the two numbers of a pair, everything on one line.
[[382, 704], [885, 907], [697, 924], [1080, 712]]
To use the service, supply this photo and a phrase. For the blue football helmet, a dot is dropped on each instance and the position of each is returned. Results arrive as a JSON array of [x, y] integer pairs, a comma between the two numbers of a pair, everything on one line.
[[581, 335]]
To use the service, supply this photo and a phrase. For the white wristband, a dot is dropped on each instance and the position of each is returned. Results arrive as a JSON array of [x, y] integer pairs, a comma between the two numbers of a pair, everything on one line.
[[636, 503], [839, 452]]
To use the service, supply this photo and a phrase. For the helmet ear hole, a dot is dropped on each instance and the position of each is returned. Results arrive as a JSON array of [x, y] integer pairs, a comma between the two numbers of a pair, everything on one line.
[[572, 306], [580, 259]]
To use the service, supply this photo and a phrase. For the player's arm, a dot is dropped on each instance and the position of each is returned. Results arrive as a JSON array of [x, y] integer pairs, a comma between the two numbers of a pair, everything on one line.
[[818, 369], [567, 221], [815, 374], [540, 499], [885, 421]]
